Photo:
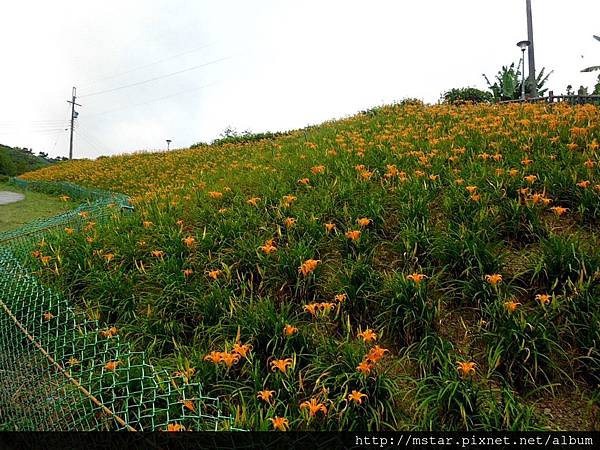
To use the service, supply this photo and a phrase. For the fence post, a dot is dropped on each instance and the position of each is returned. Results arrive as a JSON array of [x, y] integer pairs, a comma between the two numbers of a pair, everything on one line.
[[551, 96]]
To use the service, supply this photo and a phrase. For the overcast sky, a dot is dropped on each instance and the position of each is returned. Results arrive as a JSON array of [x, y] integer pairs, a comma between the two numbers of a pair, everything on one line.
[[261, 65]]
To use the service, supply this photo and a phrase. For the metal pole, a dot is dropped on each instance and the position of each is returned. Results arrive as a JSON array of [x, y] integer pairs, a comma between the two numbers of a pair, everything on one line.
[[72, 122], [72, 102], [523, 74], [532, 79]]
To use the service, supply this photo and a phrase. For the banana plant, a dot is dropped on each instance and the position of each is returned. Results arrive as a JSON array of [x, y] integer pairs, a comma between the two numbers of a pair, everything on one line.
[[508, 83], [592, 68]]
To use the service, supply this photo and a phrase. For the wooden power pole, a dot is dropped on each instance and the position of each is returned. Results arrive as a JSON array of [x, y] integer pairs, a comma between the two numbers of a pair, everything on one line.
[[73, 116], [532, 78]]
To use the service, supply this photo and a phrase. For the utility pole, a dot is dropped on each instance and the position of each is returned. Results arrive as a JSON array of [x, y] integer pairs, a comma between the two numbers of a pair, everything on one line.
[[74, 114], [532, 79]]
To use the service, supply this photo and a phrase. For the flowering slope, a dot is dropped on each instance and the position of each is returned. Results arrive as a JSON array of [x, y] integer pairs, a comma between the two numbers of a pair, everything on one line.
[[410, 267]]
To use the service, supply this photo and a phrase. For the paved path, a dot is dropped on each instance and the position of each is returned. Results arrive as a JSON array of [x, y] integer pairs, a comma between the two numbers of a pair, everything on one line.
[[7, 197]]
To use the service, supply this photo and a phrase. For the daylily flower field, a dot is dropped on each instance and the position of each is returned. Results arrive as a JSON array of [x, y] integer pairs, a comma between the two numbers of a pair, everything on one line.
[[411, 267]]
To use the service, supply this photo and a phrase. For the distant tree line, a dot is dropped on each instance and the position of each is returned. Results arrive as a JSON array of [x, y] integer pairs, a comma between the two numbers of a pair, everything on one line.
[[15, 160], [231, 136]]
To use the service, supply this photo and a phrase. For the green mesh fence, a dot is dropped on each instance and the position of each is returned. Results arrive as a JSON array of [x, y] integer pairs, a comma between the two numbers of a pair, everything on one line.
[[62, 371]]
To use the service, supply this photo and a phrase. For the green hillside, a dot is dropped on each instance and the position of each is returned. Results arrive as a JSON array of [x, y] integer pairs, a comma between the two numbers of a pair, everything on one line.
[[15, 161]]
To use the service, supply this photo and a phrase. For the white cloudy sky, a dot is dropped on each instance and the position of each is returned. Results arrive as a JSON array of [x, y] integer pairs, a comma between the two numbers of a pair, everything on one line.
[[258, 65]]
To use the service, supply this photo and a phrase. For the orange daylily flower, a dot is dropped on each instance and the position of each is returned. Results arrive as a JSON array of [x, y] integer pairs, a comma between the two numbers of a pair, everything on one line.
[[368, 335], [326, 306], [312, 308], [189, 241], [341, 298], [308, 266], [109, 257], [304, 181], [265, 395], [112, 365], [583, 184], [290, 330], [147, 223], [329, 227], [230, 358], [511, 305], [186, 374], [281, 364], [353, 234], [543, 298], [559, 210], [289, 199], [466, 367], [187, 272], [157, 253], [317, 169], [269, 247], [392, 171], [493, 279], [48, 316], [366, 175], [253, 201], [215, 194], [214, 274], [242, 349], [69, 230], [280, 423], [364, 367], [110, 332], [375, 354], [530, 178], [364, 221], [214, 357], [289, 222], [173, 427], [356, 397], [189, 405], [416, 277], [313, 407]]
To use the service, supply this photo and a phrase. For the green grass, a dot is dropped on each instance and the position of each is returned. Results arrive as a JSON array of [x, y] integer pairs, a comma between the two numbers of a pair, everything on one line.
[[433, 211], [15, 161], [35, 206]]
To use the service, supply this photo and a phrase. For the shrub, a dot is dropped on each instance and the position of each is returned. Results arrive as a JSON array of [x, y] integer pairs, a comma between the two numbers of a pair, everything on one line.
[[466, 95]]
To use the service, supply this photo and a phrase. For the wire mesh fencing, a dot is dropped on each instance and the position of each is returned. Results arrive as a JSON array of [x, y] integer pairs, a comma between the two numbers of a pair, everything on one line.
[[61, 371]]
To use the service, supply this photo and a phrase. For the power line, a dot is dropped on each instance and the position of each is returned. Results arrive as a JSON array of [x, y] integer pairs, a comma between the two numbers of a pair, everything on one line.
[[157, 78], [91, 139], [145, 66], [187, 91], [38, 131], [86, 139]]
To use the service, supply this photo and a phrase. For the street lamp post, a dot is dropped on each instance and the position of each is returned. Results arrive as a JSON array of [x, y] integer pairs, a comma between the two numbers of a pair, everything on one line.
[[169, 144], [523, 46]]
